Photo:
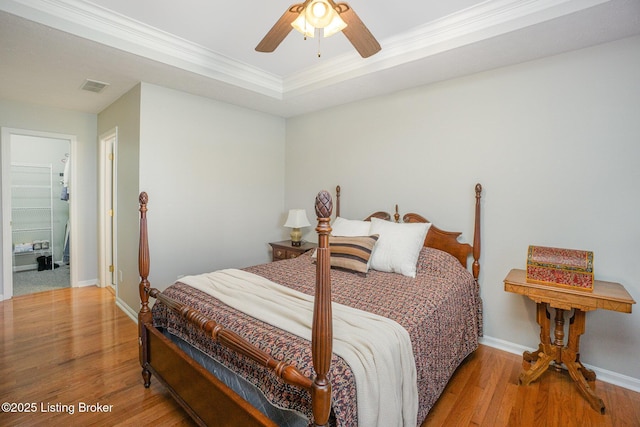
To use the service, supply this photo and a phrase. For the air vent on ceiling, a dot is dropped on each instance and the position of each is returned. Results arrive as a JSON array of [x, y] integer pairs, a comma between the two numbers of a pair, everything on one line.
[[94, 86]]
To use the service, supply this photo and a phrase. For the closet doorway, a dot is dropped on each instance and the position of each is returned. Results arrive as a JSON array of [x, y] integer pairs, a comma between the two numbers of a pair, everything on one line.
[[36, 199]]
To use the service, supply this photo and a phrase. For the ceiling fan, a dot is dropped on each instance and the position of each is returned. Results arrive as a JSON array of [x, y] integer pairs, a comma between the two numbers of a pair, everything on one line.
[[324, 16]]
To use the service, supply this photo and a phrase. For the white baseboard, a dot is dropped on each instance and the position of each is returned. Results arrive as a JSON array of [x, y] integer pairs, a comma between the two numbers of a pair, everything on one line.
[[127, 310], [83, 283], [605, 375]]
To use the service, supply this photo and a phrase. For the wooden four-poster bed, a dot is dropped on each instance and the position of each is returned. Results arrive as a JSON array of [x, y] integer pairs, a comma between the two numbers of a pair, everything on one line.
[[302, 383]]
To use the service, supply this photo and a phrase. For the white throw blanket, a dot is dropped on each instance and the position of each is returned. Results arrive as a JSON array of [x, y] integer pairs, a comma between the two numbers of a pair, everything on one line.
[[377, 349]]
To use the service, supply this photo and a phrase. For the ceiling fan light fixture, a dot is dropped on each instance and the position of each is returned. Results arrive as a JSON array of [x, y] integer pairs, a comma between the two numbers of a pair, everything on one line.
[[328, 18]]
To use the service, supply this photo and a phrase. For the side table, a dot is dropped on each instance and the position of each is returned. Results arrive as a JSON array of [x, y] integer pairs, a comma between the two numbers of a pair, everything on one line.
[[284, 249], [605, 295]]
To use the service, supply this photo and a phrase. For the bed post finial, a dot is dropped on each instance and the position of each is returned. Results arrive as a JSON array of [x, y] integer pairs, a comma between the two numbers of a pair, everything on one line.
[[324, 206], [144, 315], [476, 235], [322, 329], [337, 201]]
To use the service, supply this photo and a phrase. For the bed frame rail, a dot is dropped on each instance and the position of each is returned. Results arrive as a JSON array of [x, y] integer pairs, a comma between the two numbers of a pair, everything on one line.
[[289, 373]]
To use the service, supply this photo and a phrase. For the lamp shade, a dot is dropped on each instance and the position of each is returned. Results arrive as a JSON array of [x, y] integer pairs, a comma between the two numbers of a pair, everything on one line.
[[319, 15], [335, 26], [303, 26], [297, 218]]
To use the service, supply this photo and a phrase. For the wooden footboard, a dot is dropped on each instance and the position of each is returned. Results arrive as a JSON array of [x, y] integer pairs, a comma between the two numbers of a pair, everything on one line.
[[207, 400]]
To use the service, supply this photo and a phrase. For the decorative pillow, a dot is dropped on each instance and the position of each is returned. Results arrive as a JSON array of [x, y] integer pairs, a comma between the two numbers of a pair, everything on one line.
[[398, 246], [350, 227], [352, 253]]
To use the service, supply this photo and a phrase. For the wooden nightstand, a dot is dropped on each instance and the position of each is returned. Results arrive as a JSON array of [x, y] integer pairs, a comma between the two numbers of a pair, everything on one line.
[[605, 295], [284, 250]]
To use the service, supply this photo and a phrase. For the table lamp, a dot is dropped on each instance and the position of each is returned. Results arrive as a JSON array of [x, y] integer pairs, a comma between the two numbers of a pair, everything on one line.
[[296, 220]]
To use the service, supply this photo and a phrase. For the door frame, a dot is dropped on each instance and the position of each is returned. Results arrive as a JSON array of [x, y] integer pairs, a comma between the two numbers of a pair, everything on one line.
[[105, 199], [7, 260]]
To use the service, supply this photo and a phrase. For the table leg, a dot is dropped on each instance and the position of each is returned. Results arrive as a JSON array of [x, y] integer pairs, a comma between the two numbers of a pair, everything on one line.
[[571, 359], [529, 357], [546, 352], [558, 334]]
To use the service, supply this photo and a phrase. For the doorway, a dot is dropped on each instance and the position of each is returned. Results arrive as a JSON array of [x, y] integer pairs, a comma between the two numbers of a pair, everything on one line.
[[37, 211], [108, 223]]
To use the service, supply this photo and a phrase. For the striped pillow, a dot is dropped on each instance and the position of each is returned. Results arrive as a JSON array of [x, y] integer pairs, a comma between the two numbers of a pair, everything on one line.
[[352, 253]]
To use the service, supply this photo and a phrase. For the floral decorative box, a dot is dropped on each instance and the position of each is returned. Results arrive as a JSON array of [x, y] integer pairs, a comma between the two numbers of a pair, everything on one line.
[[560, 267]]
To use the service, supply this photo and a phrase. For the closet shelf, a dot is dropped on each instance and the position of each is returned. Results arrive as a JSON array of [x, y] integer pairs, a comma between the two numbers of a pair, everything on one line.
[[36, 252], [32, 185], [40, 187]]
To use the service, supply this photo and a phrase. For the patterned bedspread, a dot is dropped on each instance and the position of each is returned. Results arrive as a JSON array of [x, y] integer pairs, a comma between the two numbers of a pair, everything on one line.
[[441, 309]]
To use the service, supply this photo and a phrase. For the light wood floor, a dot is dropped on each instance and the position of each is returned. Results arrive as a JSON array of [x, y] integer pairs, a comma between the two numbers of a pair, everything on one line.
[[74, 347]]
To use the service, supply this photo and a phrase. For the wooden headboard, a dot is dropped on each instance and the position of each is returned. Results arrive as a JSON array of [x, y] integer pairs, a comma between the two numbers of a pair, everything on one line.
[[437, 238]]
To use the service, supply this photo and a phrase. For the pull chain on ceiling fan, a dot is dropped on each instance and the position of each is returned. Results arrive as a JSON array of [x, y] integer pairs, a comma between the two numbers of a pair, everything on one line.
[[328, 17]]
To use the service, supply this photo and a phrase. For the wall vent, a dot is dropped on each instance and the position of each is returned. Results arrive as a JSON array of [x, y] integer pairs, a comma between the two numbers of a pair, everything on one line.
[[93, 86]]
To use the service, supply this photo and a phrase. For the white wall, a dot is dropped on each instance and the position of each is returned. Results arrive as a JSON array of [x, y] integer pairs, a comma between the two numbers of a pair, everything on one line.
[[124, 114], [556, 145], [37, 118], [215, 178]]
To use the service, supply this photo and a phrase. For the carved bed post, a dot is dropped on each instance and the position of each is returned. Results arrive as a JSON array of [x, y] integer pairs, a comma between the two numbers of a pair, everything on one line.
[[337, 201], [144, 316], [476, 235], [322, 329]]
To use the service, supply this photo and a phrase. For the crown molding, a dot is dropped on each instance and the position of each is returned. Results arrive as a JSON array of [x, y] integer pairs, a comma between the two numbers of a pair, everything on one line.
[[485, 20]]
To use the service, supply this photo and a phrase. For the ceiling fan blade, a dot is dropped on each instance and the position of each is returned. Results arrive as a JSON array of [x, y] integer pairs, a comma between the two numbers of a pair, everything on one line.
[[280, 30], [357, 33]]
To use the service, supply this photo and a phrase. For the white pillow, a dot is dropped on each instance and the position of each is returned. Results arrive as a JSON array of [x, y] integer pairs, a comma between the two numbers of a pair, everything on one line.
[[398, 246], [350, 227]]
